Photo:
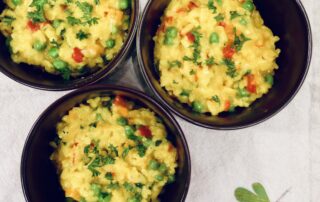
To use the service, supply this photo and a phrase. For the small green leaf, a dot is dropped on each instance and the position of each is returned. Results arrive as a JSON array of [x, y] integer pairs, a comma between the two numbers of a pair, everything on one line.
[[259, 189], [259, 195]]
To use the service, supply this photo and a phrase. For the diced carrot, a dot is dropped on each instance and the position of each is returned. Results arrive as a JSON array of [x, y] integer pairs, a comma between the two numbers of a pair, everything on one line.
[[120, 101], [227, 105], [77, 55], [181, 10], [192, 5], [251, 84], [191, 37], [228, 52], [222, 24], [168, 19], [145, 131], [33, 26]]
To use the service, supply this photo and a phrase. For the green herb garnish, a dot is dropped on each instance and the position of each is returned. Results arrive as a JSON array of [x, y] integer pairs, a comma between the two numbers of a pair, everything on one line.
[[82, 35], [259, 194]]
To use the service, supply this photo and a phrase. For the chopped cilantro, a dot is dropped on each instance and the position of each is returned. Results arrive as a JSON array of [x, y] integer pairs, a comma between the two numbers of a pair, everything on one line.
[[125, 152], [211, 6], [174, 63], [113, 150], [239, 40], [141, 150], [210, 61], [108, 176], [38, 14], [82, 35], [73, 21], [196, 47], [232, 72], [216, 99], [219, 17], [234, 14], [7, 19]]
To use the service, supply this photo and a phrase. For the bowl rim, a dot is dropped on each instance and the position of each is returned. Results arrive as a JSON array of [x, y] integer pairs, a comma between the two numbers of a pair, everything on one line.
[[143, 68], [93, 77], [31, 135]]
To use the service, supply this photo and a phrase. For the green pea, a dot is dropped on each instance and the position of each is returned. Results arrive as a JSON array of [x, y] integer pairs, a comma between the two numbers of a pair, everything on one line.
[[154, 165], [219, 2], [242, 92], [171, 32], [95, 188], [171, 178], [168, 41], [122, 121], [269, 79], [197, 106], [59, 64], [110, 43], [214, 38], [54, 52], [39, 46], [159, 177], [124, 4], [129, 130], [114, 29], [16, 2], [162, 167], [248, 5], [243, 21], [56, 23]]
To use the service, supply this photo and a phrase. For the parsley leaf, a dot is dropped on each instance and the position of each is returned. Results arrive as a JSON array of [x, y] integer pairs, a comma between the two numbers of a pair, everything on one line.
[[211, 6], [259, 194], [73, 21], [141, 150], [234, 14], [82, 35], [216, 99], [210, 61], [38, 14], [196, 47], [219, 17], [174, 63], [232, 72], [239, 41], [7, 19]]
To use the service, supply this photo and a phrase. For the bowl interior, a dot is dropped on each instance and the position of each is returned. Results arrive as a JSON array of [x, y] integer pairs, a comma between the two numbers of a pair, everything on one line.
[[39, 176], [35, 77], [287, 20]]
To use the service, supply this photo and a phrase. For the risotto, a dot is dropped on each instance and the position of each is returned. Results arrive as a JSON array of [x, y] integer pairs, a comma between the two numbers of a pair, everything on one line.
[[215, 55], [110, 150], [66, 37]]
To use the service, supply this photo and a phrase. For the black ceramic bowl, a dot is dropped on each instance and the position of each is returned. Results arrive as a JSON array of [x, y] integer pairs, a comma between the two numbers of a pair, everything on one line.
[[286, 18], [35, 77], [40, 182]]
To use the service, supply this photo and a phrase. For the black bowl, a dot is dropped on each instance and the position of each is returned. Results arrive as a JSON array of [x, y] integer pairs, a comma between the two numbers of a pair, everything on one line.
[[38, 174], [35, 77], [287, 19]]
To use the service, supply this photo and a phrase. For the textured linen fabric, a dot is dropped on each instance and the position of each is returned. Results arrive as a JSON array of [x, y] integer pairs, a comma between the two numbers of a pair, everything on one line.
[[282, 153]]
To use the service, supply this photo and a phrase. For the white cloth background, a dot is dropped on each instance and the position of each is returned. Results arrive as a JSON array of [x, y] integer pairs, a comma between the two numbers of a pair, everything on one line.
[[281, 153]]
